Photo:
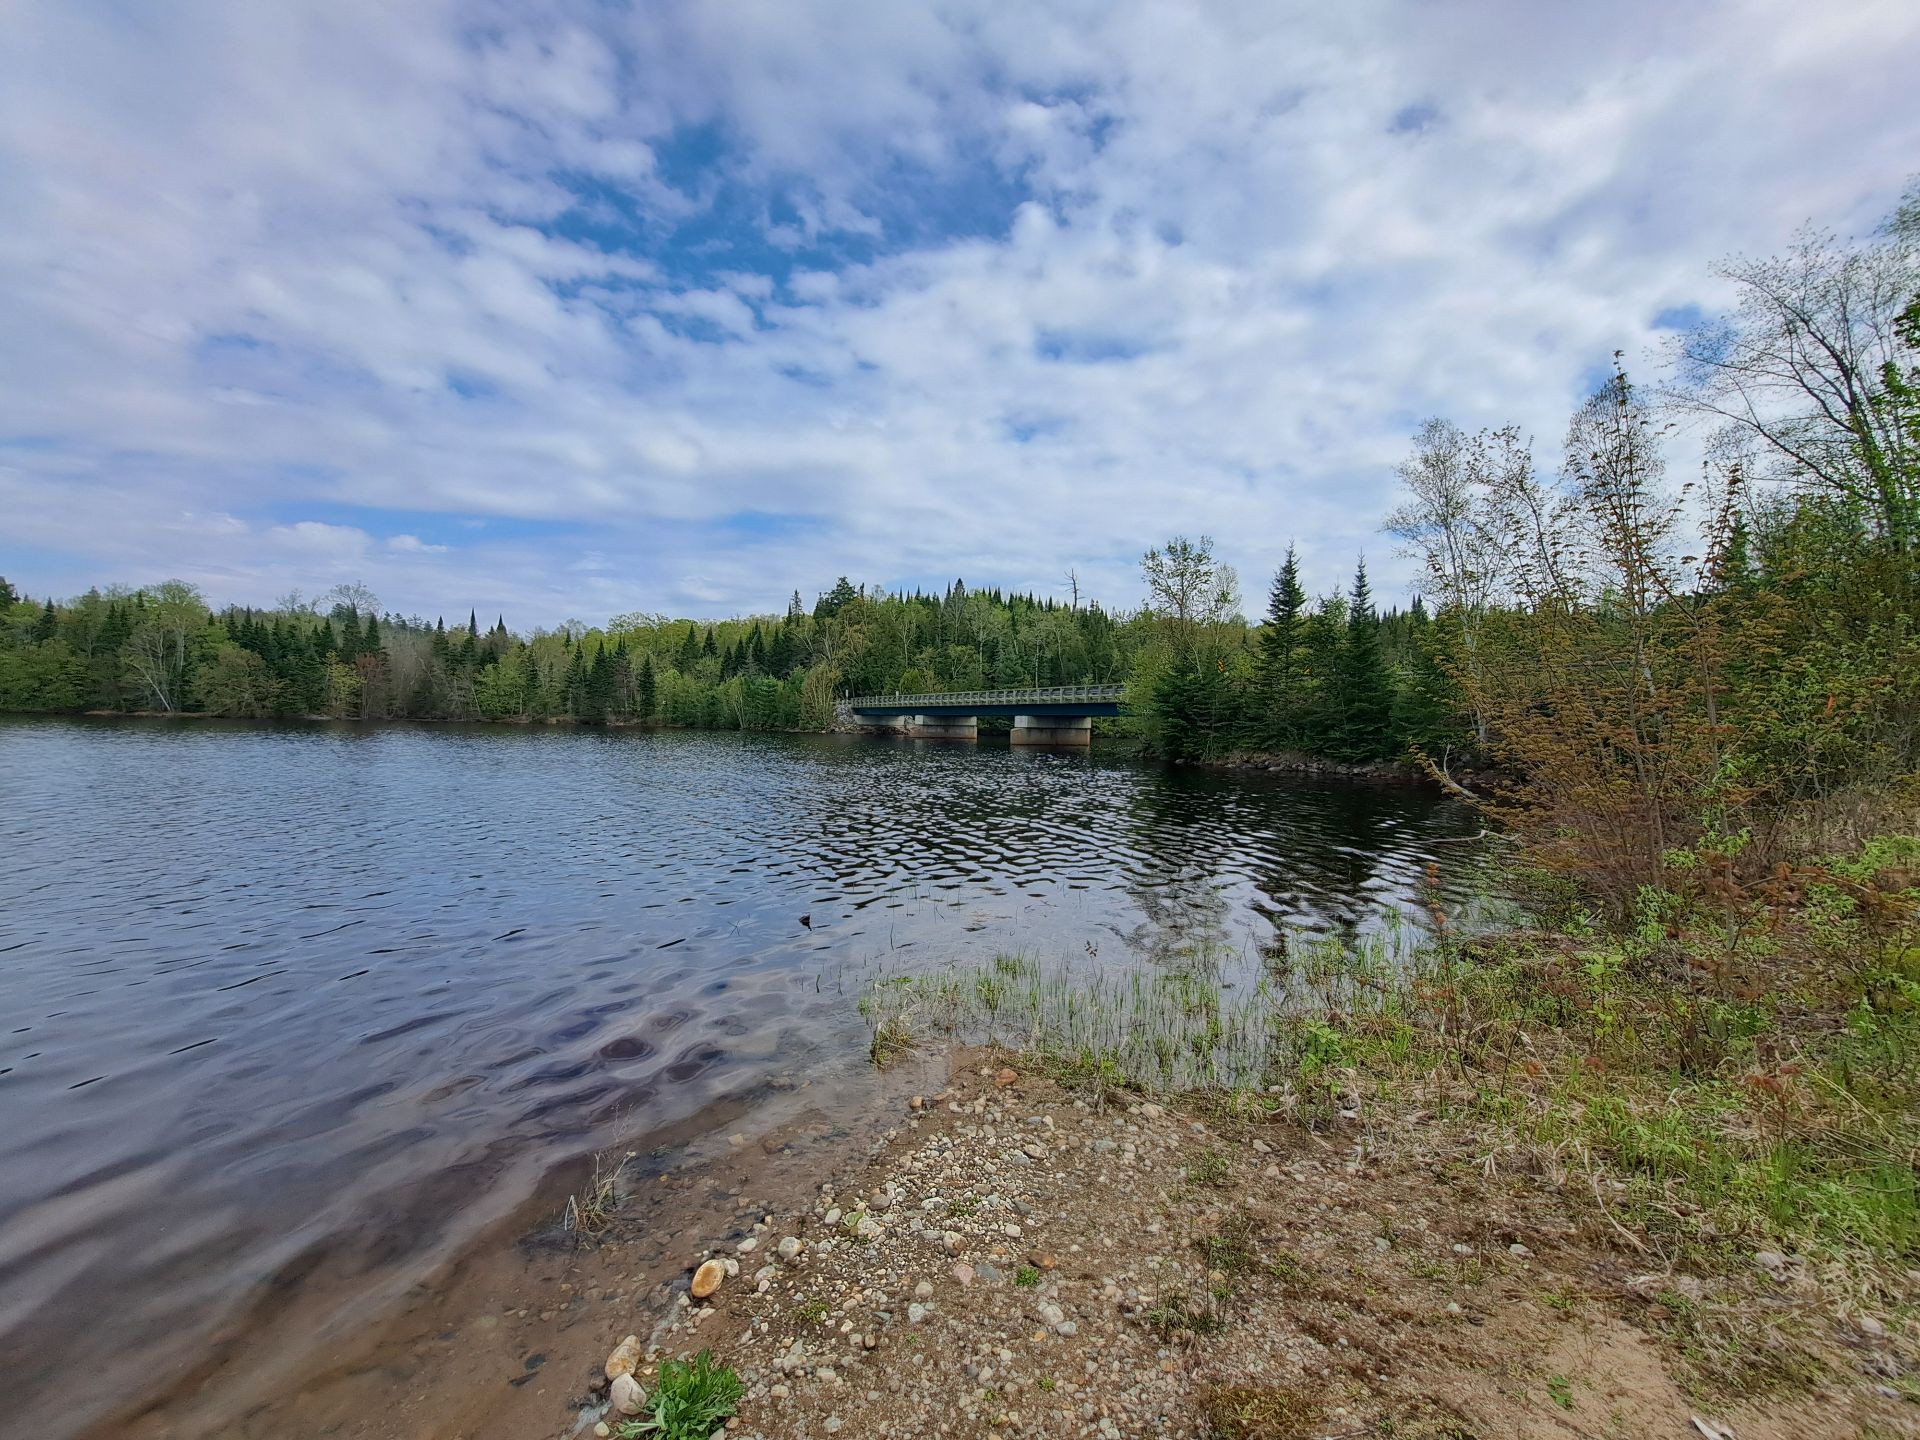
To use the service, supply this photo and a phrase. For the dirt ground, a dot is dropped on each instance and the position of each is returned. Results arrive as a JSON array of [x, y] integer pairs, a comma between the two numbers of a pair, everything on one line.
[[983, 1251], [1019, 1258]]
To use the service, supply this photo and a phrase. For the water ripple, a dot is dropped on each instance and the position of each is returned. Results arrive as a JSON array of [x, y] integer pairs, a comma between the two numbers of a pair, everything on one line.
[[263, 991]]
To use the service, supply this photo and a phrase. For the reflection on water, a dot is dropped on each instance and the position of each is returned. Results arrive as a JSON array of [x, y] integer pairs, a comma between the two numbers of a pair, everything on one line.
[[273, 994]]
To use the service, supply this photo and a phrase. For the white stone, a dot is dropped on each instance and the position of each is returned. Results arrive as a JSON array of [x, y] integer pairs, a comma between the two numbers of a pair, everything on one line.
[[627, 1396]]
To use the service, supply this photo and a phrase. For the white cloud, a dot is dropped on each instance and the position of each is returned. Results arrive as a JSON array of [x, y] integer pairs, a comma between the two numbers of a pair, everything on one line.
[[300, 261]]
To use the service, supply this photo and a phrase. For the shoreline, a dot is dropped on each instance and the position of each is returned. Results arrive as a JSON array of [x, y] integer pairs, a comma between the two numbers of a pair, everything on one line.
[[1028, 1254], [466, 1349]]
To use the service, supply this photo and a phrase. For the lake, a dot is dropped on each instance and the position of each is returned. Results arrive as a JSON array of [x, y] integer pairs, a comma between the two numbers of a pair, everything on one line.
[[269, 996]]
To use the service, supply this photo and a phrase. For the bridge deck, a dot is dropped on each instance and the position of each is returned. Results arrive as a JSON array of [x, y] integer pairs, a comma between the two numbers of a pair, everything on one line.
[[1042, 700]]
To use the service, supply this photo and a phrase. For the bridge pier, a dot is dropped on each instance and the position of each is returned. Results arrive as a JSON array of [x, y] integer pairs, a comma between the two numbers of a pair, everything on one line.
[[945, 727], [1063, 731]]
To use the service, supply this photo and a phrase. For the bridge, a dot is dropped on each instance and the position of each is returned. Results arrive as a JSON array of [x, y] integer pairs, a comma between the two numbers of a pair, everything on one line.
[[1045, 715]]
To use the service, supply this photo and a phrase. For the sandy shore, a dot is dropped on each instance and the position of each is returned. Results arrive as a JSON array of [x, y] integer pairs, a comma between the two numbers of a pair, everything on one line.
[[985, 1250]]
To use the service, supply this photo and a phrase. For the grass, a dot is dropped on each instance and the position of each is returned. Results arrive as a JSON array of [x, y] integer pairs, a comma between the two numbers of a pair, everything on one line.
[[1560, 1391], [1026, 1277], [690, 1399]]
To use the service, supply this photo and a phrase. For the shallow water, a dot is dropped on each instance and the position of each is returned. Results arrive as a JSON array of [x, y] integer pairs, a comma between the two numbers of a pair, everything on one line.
[[283, 1000]]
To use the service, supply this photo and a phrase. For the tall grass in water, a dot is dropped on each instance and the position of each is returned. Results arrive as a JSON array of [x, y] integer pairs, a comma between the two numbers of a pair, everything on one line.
[[1180, 1029]]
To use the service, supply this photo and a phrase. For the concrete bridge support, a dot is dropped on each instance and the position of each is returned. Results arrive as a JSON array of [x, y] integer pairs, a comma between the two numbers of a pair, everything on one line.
[[945, 727], [1063, 731]]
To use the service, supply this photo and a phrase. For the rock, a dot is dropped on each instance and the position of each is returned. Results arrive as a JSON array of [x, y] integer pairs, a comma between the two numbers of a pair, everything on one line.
[[1151, 1111], [832, 1217], [963, 1272], [917, 1102], [625, 1356], [916, 1312], [1041, 1260], [1006, 1076], [789, 1248], [923, 1291], [747, 1245], [602, 1429], [1870, 1326], [1773, 1262], [626, 1396], [707, 1279], [832, 1424], [868, 1228]]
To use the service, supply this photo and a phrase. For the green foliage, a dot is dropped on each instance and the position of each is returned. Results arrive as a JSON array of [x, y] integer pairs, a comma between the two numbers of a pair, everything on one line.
[[689, 1401]]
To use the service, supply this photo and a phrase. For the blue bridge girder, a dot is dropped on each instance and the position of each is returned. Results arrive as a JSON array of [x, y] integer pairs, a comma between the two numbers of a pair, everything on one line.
[[1074, 700]]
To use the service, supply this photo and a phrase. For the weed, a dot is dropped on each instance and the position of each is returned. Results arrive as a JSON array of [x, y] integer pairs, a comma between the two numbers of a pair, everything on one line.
[[892, 1038], [1026, 1277], [1231, 1250], [1176, 1315], [1210, 1169], [1258, 1412], [1561, 1389], [689, 1401], [811, 1312], [590, 1213]]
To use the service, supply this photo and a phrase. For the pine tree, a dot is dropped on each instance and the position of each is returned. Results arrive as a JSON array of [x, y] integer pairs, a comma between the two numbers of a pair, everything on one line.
[[46, 626], [1363, 721]]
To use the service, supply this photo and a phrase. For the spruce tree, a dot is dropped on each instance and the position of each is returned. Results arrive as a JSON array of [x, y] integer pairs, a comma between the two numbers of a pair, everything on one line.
[[1281, 716], [47, 625], [645, 688], [1364, 691]]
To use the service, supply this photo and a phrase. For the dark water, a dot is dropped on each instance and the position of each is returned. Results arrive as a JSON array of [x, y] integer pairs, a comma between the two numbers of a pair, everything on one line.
[[268, 994]]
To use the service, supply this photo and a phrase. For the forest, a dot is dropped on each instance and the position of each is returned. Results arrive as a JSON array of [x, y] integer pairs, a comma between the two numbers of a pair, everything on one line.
[[165, 650]]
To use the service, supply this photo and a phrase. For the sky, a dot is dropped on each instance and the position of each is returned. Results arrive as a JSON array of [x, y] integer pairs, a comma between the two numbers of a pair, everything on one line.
[[562, 309]]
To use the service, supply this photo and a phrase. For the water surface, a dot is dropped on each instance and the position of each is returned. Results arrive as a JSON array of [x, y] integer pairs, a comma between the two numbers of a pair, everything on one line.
[[274, 999]]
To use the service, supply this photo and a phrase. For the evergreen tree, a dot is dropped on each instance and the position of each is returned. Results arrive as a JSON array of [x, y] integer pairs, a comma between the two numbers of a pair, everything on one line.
[[46, 626], [645, 689], [1282, 718], [1363, 719]]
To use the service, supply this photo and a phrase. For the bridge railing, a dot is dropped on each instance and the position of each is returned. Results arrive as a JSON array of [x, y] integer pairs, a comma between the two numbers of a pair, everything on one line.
[[1042, 695]]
